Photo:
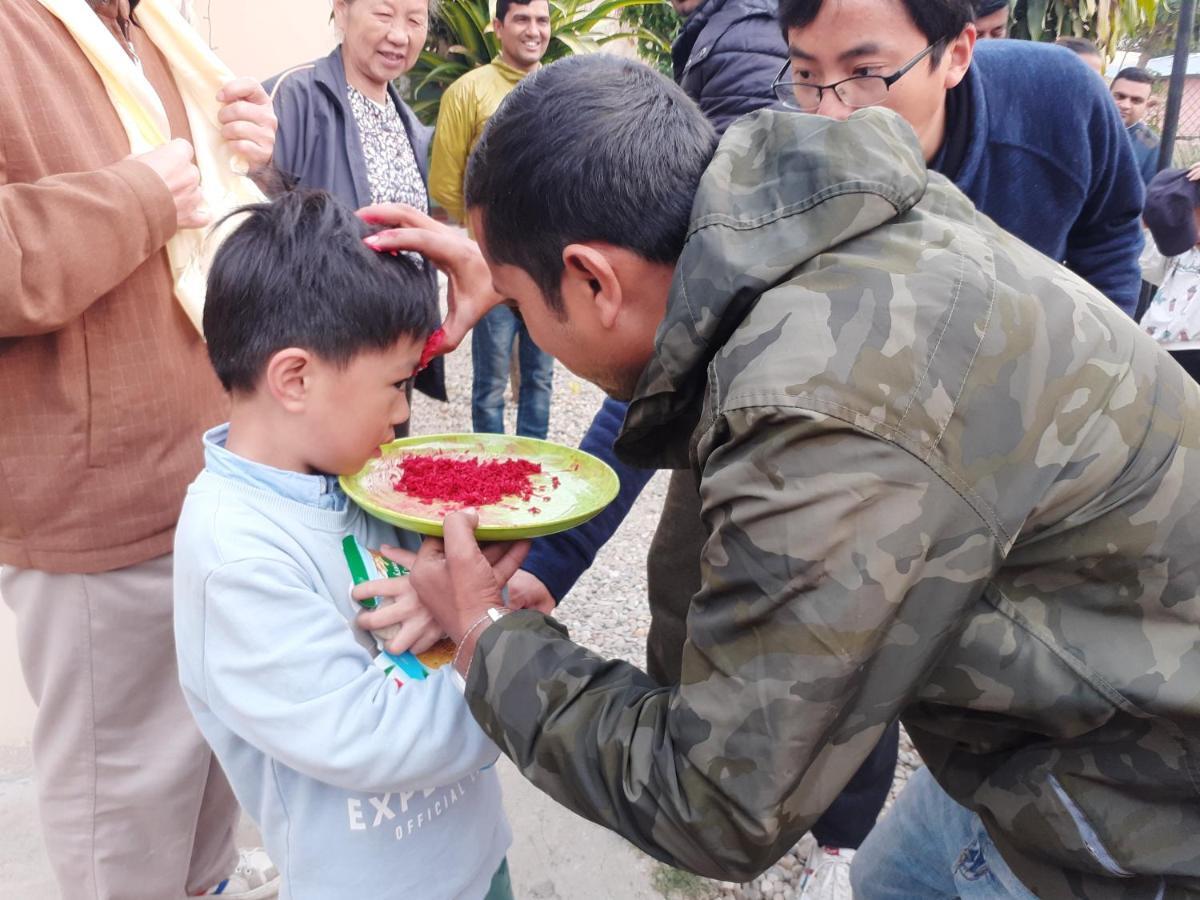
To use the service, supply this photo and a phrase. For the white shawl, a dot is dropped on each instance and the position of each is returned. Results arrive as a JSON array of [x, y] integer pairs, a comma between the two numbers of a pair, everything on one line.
[[199, 74]]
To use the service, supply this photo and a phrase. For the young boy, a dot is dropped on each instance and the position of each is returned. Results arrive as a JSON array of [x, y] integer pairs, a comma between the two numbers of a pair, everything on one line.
[[1172, 214], [361, 789]]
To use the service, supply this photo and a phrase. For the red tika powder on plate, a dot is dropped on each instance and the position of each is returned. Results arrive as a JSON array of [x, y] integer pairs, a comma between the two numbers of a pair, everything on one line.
[[466, 480]]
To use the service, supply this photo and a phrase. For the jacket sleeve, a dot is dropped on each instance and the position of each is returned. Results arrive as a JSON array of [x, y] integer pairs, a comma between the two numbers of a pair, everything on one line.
[[51, 265], [837, 570], [451, 149], [282, 670], [1105, 242], [560, 559]]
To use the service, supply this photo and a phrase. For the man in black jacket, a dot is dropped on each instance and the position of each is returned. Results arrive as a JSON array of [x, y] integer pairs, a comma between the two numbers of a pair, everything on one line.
[[727, 56]]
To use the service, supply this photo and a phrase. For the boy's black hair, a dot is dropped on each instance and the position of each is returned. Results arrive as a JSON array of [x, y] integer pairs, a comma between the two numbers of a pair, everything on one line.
[[1133, 73], [296, 273], [941, 21], [591, 148]]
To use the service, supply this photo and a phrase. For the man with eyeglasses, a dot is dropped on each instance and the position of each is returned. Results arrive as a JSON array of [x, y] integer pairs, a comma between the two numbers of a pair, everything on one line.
[[1060, 176], [988, 118]]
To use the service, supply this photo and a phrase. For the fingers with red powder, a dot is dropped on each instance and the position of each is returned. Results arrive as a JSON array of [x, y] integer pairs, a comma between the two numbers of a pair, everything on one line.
[[469, 294]]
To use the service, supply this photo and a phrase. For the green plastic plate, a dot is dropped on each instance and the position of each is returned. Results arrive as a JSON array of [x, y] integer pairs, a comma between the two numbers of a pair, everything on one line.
[[586, 486]]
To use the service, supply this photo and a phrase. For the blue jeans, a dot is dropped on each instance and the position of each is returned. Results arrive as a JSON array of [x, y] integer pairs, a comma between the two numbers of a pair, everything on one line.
[[491, 349], [929, 846]]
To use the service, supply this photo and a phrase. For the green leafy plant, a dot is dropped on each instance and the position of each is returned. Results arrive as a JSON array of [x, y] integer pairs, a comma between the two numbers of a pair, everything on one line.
[[461, 39], [658, 18], [1159, 38], [1107, 22]]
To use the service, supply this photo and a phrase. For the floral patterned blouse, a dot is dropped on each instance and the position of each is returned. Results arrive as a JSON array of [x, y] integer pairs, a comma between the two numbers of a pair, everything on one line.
[[392, 168]]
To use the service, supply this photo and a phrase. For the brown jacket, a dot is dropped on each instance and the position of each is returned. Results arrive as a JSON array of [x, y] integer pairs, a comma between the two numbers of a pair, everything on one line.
[[105, 387]]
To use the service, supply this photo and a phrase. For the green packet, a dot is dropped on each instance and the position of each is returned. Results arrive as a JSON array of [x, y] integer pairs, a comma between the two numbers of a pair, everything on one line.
[[369, 565]]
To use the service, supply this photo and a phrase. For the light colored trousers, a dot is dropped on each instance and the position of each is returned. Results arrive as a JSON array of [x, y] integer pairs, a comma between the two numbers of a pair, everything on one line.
[[133, 804]]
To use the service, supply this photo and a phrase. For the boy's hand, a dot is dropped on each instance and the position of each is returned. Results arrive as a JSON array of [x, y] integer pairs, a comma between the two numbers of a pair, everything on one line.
[[526, 591], [401, 620], [1193, 174], [470, 293]]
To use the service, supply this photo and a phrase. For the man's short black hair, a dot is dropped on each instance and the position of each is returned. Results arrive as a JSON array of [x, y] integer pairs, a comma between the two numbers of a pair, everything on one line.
[[1079, 46], [987, 7], [941, 21], [1133, 73], [502, 7], [591, 148], [296, 273]]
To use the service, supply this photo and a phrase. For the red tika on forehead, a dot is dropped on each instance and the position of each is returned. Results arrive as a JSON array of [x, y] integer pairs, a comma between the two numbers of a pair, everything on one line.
[[433, 346], [466, 480]]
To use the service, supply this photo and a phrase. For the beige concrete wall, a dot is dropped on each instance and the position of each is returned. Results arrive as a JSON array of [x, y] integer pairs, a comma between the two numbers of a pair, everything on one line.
[[262, 37]]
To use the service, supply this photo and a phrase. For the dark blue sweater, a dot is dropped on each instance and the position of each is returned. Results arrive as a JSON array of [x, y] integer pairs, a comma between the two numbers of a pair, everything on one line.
[[1048, 160], [1046, 156]]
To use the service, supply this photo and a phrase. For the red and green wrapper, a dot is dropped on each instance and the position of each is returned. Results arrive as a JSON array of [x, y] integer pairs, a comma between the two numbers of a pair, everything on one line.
[[368, 565]]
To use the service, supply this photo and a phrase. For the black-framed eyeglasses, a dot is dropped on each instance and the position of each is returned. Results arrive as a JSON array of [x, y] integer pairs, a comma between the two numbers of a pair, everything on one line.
[[857, 91]]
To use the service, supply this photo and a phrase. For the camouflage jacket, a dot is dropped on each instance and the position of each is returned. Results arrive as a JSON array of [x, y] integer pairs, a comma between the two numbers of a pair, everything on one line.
[[943, 479]]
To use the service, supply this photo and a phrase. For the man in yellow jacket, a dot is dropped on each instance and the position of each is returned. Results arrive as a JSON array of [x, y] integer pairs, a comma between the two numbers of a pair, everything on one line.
[[523, 30]]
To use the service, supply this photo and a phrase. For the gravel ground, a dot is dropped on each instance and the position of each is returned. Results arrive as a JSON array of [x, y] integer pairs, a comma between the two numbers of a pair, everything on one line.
[[607, 609]]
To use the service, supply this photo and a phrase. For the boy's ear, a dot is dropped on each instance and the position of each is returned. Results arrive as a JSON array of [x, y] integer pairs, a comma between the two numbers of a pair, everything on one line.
[[288, 378], [590, 278]]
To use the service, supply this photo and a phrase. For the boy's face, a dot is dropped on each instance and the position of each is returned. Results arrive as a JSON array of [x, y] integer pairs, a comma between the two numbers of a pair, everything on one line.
[[351, 411]]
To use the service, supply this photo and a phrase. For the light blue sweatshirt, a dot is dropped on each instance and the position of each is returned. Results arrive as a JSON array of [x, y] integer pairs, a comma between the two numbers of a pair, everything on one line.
[[361, 790]]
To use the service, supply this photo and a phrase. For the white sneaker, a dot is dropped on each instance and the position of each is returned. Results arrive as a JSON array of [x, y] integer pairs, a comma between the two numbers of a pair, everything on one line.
[[827, 875], [255, 878]]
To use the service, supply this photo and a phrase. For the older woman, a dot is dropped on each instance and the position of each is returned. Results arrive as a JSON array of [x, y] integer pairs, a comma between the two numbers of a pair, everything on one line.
[[343, 127]]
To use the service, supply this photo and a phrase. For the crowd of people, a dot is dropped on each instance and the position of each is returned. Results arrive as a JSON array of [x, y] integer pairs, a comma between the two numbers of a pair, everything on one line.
[[860, 279]]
